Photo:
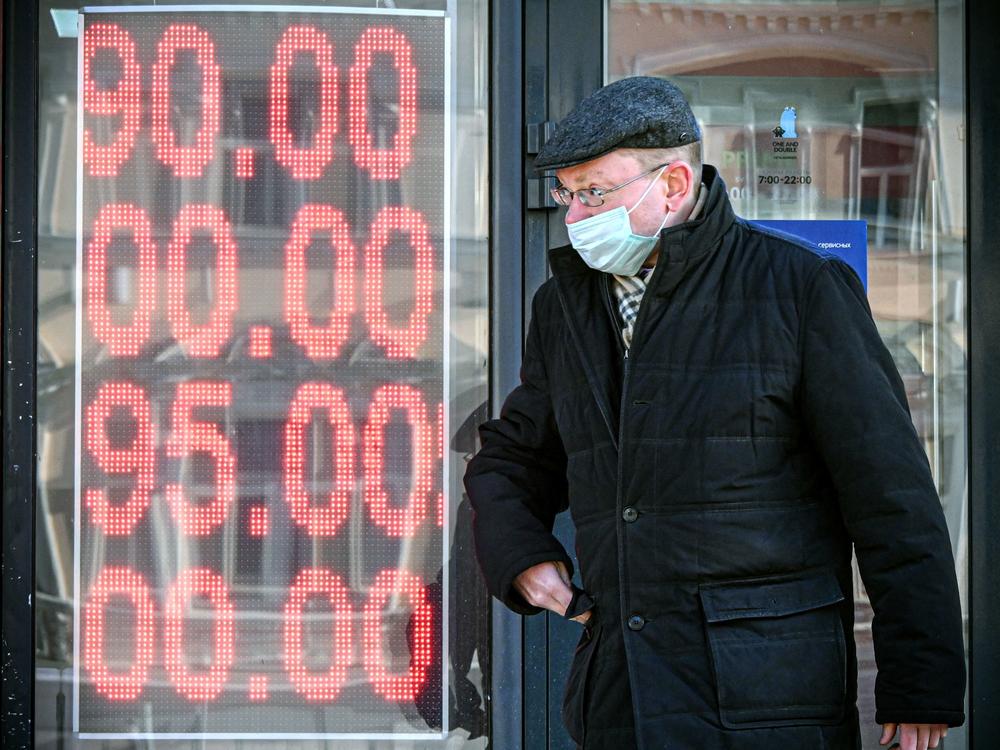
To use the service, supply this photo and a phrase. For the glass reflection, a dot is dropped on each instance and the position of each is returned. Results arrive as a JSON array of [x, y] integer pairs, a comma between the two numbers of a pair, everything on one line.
[[843, 111]]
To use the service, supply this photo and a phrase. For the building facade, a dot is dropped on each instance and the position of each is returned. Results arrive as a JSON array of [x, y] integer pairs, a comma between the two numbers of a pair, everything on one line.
[[266, 268]]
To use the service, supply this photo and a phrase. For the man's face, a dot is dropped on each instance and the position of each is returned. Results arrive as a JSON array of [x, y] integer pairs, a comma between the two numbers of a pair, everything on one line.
[[617, 167]]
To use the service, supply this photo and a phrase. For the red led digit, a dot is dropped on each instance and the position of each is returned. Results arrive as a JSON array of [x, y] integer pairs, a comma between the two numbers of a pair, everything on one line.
[[121, 340], [189, 436], [397, 521], [138, 458], [201, 685], [399, 343], [383, 164], [257, 688], [187, 161], [406, 686], [205, 340], [118, 582], [319, 342], [124, 100], [259, 521], [440, 457], [260, 342], [244, 163], [319, 520], [304, 163], [325, 686]]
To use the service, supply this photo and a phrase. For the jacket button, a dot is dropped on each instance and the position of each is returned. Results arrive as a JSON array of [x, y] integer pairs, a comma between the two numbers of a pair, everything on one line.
[[630, 514], [636, 622]]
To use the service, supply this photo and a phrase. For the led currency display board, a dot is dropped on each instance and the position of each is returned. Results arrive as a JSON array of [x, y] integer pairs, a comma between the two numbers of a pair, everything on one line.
[[263, 243]]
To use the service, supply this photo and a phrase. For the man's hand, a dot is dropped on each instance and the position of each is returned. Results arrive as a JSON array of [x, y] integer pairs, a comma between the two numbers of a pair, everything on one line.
[[914, 736], [546, 585]]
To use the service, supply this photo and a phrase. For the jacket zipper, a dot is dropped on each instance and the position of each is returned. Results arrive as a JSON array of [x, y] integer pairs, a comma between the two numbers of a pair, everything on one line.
[[619, 493], [615, 323]]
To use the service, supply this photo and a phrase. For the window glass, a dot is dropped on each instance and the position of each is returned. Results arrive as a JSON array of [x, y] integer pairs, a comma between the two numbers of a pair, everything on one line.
[[843, 111], [262, 355]]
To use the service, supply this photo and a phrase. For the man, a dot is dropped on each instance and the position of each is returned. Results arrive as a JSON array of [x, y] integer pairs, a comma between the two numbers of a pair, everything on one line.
[[713, 403]]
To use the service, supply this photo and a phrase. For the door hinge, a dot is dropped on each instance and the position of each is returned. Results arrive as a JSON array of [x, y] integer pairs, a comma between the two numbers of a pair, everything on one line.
[[537, 194], [538, 135]]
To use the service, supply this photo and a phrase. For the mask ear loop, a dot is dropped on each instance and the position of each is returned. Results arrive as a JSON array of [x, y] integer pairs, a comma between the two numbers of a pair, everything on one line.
[[643, 197], [646, 191], [662, 223]]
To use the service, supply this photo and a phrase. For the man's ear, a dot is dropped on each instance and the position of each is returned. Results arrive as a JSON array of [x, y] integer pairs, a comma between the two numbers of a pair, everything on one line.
[[679, 183]]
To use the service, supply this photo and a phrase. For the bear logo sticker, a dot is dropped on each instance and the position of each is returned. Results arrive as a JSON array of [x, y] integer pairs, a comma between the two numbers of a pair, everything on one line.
[[787, 124]]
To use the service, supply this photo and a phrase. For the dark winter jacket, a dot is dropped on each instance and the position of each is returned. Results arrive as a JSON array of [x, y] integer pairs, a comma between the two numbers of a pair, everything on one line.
[[717, 475]]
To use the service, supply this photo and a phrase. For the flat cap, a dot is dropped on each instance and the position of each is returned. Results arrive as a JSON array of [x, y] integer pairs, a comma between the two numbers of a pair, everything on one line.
[[637, 112]]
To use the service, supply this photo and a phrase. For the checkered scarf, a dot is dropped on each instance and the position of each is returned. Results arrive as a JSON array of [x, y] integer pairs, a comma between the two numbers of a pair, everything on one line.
[[630, 289]]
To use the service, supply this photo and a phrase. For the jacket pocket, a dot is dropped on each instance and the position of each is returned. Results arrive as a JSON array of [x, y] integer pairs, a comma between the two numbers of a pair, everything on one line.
[[574, 705], [778, 650]]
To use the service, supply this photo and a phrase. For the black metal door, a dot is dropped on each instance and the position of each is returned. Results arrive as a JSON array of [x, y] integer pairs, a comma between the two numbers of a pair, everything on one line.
[[563, 52], [546, 55]]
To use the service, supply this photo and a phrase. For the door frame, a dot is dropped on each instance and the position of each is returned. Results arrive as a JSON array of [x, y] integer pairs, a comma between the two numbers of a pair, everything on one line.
[[983, 274], [19, 316], [505, 292]]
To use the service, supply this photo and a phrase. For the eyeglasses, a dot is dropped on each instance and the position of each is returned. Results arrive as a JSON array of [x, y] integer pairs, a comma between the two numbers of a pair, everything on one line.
[[593, 197]]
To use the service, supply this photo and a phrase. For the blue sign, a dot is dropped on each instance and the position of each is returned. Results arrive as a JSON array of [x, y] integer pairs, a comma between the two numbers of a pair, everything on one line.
[[787, 123], [845, 239]]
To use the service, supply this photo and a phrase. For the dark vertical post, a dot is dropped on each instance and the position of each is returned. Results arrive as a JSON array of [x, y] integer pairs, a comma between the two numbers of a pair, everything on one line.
[[983, 106], [574, 61], [506, 321], [535, 98], [18, 274]]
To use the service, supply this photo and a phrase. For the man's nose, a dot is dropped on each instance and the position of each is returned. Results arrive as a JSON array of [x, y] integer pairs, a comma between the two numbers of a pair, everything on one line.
[[576, 211]]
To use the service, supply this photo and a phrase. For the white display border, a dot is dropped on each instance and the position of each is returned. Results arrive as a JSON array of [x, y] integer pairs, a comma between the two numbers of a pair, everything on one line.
[[448, 242], [262, 9], [448, 248], [78, 378]]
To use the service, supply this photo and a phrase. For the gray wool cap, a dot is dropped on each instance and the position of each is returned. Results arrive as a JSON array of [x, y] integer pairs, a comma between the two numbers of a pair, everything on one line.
[[637, 112]]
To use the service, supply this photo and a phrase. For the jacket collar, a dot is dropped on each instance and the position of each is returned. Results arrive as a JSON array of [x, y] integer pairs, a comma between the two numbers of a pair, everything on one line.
[[581, 291], [681, 246]]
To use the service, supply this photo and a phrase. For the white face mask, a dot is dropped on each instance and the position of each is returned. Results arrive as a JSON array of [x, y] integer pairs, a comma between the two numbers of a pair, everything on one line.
[[606, 241]]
